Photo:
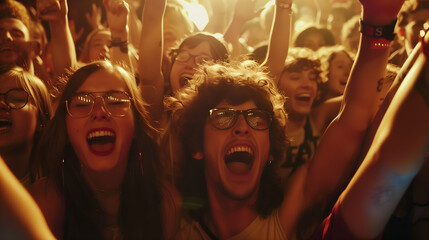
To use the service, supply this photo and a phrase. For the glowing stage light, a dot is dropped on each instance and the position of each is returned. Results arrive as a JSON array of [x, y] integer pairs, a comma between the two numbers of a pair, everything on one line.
[[198, 14]]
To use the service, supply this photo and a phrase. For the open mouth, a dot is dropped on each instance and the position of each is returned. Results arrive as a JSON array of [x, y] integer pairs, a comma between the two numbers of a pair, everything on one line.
[[104, 57], [184, 79], [343, 83], [305, 97], [5, 125], [101, 142], [239, 159], [6, 50]]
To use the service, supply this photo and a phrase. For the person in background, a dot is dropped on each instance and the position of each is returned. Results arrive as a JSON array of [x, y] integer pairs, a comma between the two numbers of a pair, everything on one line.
[[25, 109]]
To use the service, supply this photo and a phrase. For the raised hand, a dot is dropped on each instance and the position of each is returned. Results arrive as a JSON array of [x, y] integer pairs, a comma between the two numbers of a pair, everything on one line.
[[94, 17], [380, 11], [117, 17], [51, 10]]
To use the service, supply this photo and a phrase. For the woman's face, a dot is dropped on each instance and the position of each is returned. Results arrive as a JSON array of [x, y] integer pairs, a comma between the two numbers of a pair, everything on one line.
[[102, 139], [98, 46], [301, 89], [339, 71], [183, 69], [314, 41], [17, 126]]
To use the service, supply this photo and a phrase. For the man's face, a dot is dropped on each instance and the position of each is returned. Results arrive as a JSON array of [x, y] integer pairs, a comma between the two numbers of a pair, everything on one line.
[[235, 157], [14, 41]]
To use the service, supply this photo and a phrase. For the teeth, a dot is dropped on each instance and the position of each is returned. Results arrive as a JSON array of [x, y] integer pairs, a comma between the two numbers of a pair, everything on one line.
[[304, 95], [100, 134], [240, 149]]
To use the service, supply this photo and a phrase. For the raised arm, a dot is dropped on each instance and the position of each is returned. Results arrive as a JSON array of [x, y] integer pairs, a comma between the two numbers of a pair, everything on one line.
[[150, 57], [63, 48], [117, 19], [20, 218], [244, 11], [343, 139], [399, 150], [321, 179], [279, 39]]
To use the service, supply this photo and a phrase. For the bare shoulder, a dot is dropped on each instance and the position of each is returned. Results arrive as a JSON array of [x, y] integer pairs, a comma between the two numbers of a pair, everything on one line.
[[50, 202]]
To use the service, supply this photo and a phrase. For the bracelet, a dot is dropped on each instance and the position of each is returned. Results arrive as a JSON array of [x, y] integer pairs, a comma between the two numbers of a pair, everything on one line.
[[123, 45], [287, 6], [386, 31], [380, 43]]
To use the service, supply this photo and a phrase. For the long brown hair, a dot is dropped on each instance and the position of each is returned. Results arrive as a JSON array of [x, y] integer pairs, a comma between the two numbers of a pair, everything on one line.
[[140, 201]]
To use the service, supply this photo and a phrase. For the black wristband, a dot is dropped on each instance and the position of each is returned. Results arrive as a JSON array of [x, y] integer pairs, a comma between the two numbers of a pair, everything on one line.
[[123, 45], [386, 31]]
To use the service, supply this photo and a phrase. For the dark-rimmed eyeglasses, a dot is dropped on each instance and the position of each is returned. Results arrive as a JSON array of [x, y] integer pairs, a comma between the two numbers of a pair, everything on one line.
[[225, 118], [15, 98], [184, 56], [116, 103]]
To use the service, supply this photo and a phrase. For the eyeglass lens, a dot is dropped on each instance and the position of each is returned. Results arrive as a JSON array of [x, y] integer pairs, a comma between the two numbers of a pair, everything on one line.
[[184, 56], [225, 118], [16, 98], [116, 103]]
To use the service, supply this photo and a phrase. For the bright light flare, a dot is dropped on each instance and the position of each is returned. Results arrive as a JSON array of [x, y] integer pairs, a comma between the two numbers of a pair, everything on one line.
[[198, 15]]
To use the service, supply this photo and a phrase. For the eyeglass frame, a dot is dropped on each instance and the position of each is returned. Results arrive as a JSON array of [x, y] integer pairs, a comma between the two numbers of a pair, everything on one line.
[[245, 114], [14, 89], [177, 52], [94, 98]]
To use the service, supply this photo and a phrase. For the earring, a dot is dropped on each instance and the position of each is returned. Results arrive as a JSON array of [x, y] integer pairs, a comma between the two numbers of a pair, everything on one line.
[[198, 155], [62, 171]]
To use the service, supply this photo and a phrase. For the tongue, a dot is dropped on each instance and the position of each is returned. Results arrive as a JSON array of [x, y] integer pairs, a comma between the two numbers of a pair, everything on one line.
[[238, 167], [239, 162], [102, 144], [101, 148]]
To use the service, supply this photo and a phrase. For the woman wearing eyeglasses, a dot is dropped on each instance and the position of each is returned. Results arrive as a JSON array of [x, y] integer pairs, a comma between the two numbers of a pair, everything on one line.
[[103, 168], [25, 108]]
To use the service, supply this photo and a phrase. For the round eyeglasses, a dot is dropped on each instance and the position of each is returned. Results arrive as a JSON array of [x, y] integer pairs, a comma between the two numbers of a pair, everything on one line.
[[225, 118], [184, 56], [15, 98], [116, 103]]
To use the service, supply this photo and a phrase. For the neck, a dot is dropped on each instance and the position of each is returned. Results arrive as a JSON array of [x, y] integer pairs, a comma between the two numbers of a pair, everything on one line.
[[227, 217], [296, 122], [106, 187], [109, 181], [18, 157]]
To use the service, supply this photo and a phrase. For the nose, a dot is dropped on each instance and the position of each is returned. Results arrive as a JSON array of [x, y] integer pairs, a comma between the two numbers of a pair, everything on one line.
[[307, 82], [3, 105], [105, 48], [7, 37], [99, 112], [241, 128]]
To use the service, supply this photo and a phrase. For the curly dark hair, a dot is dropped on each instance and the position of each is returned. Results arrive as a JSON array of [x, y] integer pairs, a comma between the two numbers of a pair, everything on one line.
[[235, 82]]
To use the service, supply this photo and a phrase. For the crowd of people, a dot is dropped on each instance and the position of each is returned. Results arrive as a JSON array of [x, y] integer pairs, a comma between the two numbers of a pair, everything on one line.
[[276, 119]]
